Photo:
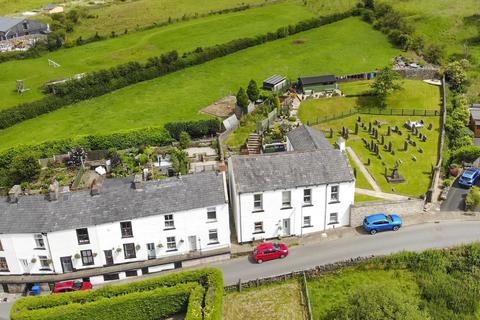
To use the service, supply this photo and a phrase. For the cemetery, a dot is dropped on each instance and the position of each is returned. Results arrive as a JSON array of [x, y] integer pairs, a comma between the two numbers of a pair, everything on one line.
[[400, 158]]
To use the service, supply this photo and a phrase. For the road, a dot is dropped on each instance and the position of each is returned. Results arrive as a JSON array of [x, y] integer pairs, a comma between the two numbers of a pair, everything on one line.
[[455, 198], [412, 238]]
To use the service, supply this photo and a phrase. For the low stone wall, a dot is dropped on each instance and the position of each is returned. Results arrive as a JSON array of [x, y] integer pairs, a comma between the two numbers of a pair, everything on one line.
[[402, 208], [418, 74]]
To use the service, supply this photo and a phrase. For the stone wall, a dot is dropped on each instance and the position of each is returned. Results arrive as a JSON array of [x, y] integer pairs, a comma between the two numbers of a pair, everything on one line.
[[402, 208], [418, 74]]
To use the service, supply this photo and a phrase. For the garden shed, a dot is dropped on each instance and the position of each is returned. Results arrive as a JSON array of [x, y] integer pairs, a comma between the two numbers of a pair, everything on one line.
[[275, 83], [314, 84]]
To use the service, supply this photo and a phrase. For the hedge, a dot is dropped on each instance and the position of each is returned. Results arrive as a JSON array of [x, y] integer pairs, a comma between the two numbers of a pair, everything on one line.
[[104, 81], [196, 129], [209, 297], [148, 305]]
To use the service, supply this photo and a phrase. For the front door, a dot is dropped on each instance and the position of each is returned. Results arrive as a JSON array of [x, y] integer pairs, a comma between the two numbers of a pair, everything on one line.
[[192, 242], [286, 227], [67, 265], [151, 251], [108, 257]]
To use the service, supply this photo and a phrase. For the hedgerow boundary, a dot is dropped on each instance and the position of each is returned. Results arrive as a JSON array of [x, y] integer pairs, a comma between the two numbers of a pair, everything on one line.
[[197, 293]]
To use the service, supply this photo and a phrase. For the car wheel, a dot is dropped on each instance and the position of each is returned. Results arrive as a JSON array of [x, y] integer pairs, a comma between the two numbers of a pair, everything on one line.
[[373, 231], [259, 261], [282, 256], [395, 228]]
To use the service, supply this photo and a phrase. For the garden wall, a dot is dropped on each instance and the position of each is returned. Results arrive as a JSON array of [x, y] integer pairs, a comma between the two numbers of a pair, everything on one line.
[[418, 74], [402, 207]]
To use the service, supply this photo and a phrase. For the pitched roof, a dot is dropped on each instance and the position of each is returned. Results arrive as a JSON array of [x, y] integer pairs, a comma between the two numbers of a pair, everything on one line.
[[7, 23], [306, 138], [117, 201], [286, 170], [273, 80], [305, 81], [475, 112]]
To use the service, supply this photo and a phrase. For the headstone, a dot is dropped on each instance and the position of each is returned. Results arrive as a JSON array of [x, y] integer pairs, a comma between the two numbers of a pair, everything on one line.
[[369, 127], [382, 139], [399, 132], [414, 158], [408, 136], [395, 177], [430, 126], [390, 146], [359, 119], [368, 161], [405, 146], [343, 131], [376, 134], [420, 150], [396, 128], [372, 145], [356, 128], [424, 139], [331, 133], [389, 131]]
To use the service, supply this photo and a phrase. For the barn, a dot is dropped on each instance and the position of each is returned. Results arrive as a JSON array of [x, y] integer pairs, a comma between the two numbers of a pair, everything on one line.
[[311, 85], [14, 27]]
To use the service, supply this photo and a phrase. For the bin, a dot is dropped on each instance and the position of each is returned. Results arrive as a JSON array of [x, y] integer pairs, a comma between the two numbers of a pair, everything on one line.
[[36, 290]]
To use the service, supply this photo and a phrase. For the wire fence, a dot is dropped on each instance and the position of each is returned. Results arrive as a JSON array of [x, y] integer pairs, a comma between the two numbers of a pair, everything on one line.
[[375, 111]]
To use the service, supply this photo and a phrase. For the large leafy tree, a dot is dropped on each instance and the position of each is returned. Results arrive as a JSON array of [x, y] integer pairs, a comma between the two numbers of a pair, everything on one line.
[[386, 82], [180, 161]]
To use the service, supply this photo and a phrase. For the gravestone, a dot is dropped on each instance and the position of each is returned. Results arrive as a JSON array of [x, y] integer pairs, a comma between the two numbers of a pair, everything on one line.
[[390, 146], [368, 161], [389, 131], [359, 119], [424, 139], [356, 128], [395, 177], [382, 139], [420, 150], [430, 126], [405, 146], [331, 132], [408, 136], [369, 127]]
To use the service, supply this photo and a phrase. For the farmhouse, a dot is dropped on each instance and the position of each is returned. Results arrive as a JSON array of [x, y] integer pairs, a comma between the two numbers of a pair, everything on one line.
[[475, 119], [114, 230], [52, 8], [275, 83], [13, 27], [290, 193], [311, 85]]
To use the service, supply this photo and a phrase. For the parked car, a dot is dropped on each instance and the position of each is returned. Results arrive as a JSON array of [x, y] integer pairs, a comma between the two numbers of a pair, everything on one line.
[[469, 177], [382, 222], [69, 286], [270, 251]]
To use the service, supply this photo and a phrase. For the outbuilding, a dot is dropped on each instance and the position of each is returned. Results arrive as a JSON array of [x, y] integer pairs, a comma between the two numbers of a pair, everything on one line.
[[52, 8], [311, 85], [275, 83]]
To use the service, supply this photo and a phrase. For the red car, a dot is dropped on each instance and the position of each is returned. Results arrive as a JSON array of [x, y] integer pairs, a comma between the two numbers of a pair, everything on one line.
[[69, 286], [270, 251]]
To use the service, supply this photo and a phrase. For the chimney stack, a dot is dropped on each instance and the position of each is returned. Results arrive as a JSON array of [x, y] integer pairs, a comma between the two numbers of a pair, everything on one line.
[[14, 193], [53, 190], [65, 193], [95, 188]]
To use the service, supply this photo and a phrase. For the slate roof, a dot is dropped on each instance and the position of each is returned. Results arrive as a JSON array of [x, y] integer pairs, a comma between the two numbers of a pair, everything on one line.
[[286, 170], [117, 201], [328, 78], [6, 23], [475, 112], [306, 138], [273, 80]]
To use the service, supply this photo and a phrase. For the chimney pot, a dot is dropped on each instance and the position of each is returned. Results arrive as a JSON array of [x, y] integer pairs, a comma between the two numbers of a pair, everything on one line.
[[53, 191], [14, 193]]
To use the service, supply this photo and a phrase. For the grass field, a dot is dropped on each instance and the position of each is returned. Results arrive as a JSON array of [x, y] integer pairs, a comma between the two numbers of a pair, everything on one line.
[[361, 181], [416, 173], [332, 289], [414, 95], [276, 301], [364, 198], [139, 46], [179, 96]]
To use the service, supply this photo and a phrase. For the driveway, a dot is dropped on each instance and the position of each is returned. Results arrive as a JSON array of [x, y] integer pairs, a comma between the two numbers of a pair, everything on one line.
[[455, 198]]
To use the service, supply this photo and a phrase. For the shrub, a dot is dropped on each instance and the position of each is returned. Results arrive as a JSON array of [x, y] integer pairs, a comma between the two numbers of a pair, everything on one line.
[[242, 100], [196, 129], [24, 168], [472, 201], [185, 140]]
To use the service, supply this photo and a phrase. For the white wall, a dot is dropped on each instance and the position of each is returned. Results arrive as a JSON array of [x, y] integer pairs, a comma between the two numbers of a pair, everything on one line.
[[273, 214]]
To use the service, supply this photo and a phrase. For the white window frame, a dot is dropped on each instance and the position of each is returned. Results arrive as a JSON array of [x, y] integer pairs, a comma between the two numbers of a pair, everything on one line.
[[39, 241], [258, 203], [126, 232], [215, 238], [335, 195], [335, 221], [87, 260], [133, 250], [171, 243], [286, 199], [43, 262], [212, 211], [309, 224], [3, 265], [255, 229], [169, 221], [307, 198]]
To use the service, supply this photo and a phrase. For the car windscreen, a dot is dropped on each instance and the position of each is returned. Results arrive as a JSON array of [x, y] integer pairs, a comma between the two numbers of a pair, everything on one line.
[[390, 218], [277, 246]]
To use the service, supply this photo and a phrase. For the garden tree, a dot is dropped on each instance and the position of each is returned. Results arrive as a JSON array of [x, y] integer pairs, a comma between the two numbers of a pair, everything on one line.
[[24, 168], [456, 75], [252, 90], [77, 157], [435, 53], [242, 100], [378, 302], [456, 126], [180, 161], [386, 82], [185, 140]]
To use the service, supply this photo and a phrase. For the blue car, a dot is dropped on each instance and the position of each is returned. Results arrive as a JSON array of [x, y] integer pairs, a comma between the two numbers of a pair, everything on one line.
[[381, 222], [469, 177]]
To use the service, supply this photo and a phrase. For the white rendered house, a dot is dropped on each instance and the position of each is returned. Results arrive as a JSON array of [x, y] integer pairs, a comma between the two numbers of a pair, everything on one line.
[[290, 193], [113, 226]]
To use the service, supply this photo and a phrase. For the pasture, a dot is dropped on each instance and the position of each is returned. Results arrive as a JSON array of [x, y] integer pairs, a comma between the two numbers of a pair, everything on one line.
[[343, 47], [185, 36]]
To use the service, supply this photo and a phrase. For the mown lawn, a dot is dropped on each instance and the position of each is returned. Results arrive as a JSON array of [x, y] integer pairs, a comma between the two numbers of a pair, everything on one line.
[[364, 198], [413, 95], [332, 290], [361, 182], [276, 301], [139, 46], [343, 47], [416, 172]]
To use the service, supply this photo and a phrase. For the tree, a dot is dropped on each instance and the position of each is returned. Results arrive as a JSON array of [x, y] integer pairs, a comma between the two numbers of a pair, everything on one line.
[[185, 140], [386, 82], [242, 100], [24, 168], [252, 91], [456, 75], [369, 4], [435, 53], [180, 161], [378, 302]]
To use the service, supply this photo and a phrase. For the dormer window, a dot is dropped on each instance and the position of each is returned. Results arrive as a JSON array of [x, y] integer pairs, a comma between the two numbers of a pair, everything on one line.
[[39, 241]]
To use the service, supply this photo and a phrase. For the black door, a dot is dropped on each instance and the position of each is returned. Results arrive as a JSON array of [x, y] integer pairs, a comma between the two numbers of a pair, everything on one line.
[[67, 265], [108, 257]]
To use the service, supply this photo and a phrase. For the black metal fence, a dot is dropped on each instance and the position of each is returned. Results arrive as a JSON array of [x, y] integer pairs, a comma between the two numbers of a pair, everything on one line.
[[376, 111]]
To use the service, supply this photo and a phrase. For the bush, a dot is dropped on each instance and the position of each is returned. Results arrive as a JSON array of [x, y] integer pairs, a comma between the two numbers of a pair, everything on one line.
[[472, 201], [185, 140], [196, 129], [24, 168]]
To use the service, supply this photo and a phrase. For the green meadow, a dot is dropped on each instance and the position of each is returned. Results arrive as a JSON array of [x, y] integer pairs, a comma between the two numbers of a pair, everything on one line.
[[344, 47], [185, 36]]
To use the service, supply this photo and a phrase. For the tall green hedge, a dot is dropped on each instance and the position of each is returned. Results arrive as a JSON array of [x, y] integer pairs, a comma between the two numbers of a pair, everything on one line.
[[196, 129], [204, 299]]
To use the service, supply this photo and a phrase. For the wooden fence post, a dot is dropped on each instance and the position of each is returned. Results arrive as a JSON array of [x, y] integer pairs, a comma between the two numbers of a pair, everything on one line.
[[239, 285]]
